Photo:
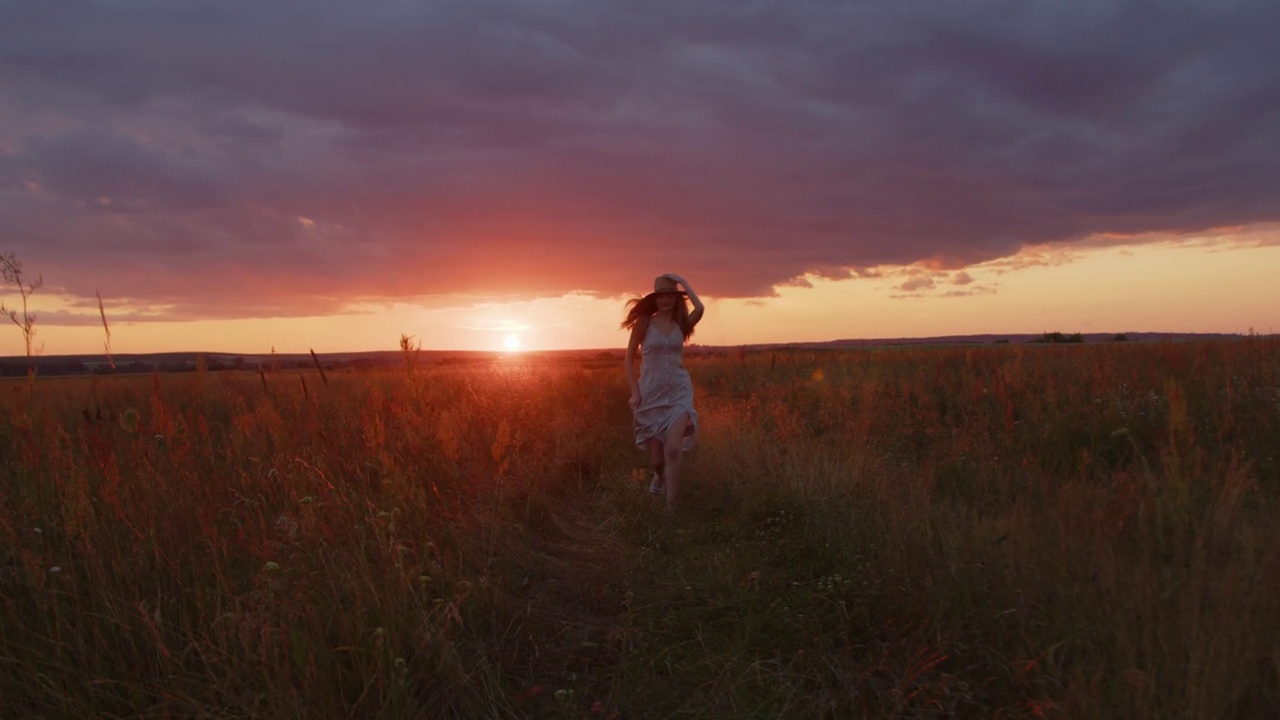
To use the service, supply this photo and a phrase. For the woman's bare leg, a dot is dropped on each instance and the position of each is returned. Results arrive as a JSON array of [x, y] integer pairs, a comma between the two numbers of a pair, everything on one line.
[[673, 453], [655, 456]]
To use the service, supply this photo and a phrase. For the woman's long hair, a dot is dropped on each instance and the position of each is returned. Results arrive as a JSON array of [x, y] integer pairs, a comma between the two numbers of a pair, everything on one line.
[[639, 310]]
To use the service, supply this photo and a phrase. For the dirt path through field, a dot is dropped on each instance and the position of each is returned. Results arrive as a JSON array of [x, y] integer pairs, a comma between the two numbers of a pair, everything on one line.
[[578, 630], [632, 612]]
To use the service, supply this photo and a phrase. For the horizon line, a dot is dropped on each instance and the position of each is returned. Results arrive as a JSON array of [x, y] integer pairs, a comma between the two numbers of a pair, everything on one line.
[[1147, 334]]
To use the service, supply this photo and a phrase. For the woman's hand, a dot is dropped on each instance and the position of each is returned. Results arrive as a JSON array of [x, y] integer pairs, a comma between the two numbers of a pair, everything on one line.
[[634, 402], [698, 307]]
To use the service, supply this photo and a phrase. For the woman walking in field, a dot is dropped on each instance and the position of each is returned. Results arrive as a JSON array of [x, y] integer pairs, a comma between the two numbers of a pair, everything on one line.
[[662, 397]]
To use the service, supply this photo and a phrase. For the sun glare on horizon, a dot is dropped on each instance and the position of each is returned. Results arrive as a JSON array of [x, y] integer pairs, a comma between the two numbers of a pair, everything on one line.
[[511, 342]]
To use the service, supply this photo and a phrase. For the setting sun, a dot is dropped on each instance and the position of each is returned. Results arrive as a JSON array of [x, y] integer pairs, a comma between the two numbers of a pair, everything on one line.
[[511, 341]]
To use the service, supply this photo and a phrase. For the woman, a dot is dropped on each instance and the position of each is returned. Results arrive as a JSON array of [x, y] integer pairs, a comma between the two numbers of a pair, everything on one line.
[[662, 397]]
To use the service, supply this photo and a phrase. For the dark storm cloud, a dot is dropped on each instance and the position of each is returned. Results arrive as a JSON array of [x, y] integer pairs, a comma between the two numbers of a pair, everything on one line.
[[248, 158]]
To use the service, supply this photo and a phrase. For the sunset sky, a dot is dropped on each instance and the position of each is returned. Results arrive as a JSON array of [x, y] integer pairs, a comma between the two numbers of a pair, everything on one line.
[[241, 175]]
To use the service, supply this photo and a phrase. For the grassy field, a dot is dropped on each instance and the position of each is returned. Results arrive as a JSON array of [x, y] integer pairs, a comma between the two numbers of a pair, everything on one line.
[[1001, 532]]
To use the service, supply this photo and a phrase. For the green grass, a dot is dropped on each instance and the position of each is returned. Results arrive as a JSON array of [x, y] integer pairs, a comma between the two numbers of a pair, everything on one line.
[[1081, 532]]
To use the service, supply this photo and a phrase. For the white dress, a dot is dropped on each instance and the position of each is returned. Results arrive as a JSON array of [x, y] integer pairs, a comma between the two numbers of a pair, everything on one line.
[[665, 388]]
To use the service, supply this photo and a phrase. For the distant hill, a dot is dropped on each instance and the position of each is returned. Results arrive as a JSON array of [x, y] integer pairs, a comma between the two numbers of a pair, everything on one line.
[[98, 364], [1024, 338], [47, 365]]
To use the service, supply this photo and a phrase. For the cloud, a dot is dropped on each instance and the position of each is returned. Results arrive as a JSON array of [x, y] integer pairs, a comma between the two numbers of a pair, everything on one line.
[[1042, 255], [971, 292], [84, 319], [921, 282], [918, 283], [238, 158]]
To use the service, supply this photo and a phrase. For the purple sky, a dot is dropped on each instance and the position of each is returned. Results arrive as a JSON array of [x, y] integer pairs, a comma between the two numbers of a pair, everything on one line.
[[263, 158]]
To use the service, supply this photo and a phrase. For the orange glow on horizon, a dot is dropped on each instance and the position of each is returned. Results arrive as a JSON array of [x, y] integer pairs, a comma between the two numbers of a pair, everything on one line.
[[1209, 287]]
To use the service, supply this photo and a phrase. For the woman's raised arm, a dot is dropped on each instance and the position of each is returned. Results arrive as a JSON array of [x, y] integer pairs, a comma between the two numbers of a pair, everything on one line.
[[698, 307]]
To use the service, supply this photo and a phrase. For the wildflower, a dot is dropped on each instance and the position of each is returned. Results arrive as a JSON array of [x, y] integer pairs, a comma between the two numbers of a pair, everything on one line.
[[129, 420], [270, 566], [55, 569]]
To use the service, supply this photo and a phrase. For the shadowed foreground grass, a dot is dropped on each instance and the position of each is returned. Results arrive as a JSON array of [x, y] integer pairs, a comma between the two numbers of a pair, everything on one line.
[[990, 532]]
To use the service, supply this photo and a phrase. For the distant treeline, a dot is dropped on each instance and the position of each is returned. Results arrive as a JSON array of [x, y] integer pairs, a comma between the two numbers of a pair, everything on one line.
[[1057, 337], [191, 362], [18, 367]]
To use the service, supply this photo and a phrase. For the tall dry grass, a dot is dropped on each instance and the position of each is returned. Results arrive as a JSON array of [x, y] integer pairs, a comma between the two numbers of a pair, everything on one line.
[[176, 543], [1090, 530], [1083, 531]]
